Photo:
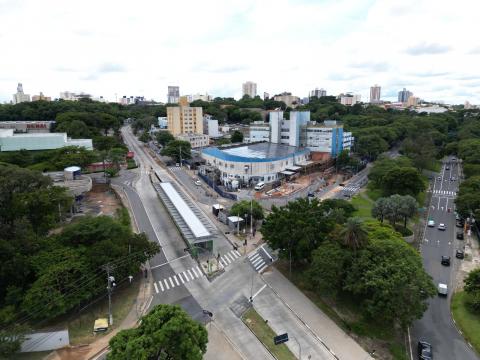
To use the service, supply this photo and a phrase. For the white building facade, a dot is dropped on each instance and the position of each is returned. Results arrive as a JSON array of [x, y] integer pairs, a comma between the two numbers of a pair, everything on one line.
[[195, 140]]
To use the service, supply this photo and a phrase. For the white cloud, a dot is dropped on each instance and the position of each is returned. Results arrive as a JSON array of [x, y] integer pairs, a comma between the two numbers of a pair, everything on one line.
[[117, 47]]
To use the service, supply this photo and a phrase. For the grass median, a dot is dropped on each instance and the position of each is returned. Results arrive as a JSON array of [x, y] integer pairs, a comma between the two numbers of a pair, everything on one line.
[[265, 334], [468, 322]]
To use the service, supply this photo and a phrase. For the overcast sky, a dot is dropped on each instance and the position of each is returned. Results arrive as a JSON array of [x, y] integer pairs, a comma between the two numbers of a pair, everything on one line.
[[139, 47]]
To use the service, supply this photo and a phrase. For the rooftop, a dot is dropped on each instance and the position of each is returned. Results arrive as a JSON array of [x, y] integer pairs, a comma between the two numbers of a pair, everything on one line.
[[257, 152]]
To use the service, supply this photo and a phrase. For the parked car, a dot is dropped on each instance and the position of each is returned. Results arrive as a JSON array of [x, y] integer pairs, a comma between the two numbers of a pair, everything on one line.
[[198, 182], [446, 260], [460, 235], [442, 289], [425, 351], [260, 186], [177, 164], [442, 227], [459, 223], [431, 223], [460, 254], [439, 178], [447, 168]]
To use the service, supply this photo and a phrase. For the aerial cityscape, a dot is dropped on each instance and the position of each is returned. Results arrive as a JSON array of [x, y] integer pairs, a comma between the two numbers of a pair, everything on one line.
[[236, 181]]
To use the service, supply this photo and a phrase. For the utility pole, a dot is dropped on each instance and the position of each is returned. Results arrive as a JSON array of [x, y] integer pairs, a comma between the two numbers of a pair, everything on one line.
[[180, 153], [251, 217], [110, 285]]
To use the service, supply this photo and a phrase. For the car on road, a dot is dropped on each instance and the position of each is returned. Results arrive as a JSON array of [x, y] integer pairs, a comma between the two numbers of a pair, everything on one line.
[[431, 223], [442, 289], [198, 182], [459, 223], [177, 164], [439, 178], [260, 186], [341, 184], [446, 260], [442, 227], [425, 351], [460, 235], [453, 178], [447, 168], [460, 254]]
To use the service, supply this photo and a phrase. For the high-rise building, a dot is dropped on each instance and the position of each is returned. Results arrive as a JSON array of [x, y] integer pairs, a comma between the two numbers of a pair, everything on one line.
[[375, 92], [404, 95], [349, 99], [184, 119], [173, 94], [318, 93], [266, 96], [249, 88], [19, 96], [412, 101]]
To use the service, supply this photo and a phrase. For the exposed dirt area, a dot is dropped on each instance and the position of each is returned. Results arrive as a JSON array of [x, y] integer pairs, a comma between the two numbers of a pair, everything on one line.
[[101, 200], [471, 261]]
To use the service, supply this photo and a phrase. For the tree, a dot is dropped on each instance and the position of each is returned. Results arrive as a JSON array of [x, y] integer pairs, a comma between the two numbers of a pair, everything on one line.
[[243, 207], [408, 208], [117, 156], [75, 129], [354, 236], [371, 146], [237, 137], [178, 149], [468, 199], [145, 137], [393, 212], [472, 281], [167, 332], [164, 137], [403, 181], [297, 228], [380, 209], [421, 149], [388, 278], [73, 155]]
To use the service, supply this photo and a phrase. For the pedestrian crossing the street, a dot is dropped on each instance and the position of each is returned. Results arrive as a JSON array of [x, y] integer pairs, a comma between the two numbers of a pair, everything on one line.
[[444, 192], [260, 259], [178, 279], [228, 258]]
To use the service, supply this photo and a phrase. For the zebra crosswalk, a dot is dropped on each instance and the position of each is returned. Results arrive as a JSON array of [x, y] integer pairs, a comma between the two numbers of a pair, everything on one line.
[[178, 279], [260, 259], [174, 168], [351, 188], [444, 192], [228, 258]]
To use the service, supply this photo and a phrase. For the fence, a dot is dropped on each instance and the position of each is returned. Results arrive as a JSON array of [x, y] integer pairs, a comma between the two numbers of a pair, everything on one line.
[[219, 190]]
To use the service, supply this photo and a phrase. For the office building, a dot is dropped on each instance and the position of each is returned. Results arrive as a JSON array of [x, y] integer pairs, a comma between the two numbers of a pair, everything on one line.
[[289, 99], [349, 99], [9, 141], [412, 101], [249, 88], [71, 96], [404, 95], [173, 94], [202, 97], [318, 93], [20, 96], [252, 163], [266, 95], [375, 93], [299, 131]]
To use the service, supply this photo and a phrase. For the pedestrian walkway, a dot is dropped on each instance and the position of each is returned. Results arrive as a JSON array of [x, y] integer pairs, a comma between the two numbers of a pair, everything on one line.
[[444, 192], [178, 279], [174, 168], [260, 259], [228, 258], [351, 188]]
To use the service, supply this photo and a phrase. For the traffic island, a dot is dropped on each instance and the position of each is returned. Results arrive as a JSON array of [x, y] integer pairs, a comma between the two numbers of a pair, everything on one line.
[[264, 333]]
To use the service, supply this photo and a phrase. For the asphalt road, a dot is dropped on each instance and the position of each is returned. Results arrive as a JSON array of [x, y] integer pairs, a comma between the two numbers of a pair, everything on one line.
[[436, 325]]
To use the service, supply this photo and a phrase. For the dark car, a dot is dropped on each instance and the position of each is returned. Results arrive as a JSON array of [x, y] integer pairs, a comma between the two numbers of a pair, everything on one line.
[[460, 235], [459, 223], [425, 351], [446, 260], [460, 254]]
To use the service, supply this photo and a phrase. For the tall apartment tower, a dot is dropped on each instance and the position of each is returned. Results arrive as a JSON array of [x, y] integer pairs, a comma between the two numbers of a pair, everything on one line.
[[404, 95], [318, 93], [184, 119], [173, 94], [375, 92], [19, 96], [249, 88]]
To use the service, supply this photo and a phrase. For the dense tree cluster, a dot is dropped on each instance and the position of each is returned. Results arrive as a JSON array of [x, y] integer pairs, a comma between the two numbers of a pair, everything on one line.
[[370, 262]]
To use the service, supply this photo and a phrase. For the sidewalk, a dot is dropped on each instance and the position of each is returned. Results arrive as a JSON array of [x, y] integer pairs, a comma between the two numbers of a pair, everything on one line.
[[219, 347], [342, 345]]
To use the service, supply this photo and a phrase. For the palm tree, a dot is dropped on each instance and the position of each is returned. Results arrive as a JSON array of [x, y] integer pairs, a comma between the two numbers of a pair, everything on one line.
[[354, 234]]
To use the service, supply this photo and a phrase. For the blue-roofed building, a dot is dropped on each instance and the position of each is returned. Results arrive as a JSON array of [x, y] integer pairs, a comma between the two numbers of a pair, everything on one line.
[[259, 162]]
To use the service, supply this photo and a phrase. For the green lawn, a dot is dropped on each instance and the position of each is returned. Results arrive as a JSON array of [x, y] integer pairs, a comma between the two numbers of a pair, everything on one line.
[[363, 204], [468, 322], [265, 334]]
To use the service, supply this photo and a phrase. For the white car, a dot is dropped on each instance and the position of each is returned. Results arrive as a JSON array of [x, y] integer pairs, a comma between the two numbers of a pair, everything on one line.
[[198, 183], [442, 289], [431, 223], [442, 227]]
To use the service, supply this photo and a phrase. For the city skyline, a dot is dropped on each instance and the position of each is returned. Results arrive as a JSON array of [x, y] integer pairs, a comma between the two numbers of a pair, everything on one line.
[[436, 61]]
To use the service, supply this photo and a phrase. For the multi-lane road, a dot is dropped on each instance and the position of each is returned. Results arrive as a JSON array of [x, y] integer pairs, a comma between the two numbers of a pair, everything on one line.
[[436, 325]]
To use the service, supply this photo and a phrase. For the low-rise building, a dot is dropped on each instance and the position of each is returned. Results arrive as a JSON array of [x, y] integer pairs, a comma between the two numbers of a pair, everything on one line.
[[289, 99], [253, 163], [9, 141], [210, 126], [162, 122], [28, 126], [196, 140], [349, 99], [41, 97]]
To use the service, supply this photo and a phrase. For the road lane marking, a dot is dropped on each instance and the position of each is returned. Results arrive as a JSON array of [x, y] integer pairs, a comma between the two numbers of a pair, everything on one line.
[[236, 252], [171, 282], [166, 284], [175, 277], [186, 277], [196, 275], [259, 291], [190, 273], [181, 278], [230, 257], [199, 271], [161, 285], [262, 268], [156, 287]]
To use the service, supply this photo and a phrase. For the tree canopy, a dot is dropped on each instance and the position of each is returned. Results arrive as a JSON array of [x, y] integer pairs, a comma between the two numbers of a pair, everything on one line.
[[167, 332], [178, 150]]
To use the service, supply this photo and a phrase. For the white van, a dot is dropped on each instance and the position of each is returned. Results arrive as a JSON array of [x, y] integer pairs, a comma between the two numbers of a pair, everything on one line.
[[259, 186], [442, 289]]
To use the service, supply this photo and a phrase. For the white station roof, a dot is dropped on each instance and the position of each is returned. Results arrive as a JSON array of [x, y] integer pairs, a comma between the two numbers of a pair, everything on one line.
[[193, 222]]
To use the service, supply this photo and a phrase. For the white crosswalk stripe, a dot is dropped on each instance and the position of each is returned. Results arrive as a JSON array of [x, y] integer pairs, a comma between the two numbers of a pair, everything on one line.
[[190, 273], [230, 257], [237, 253], [156, 287], [260, 259], [195, 272], [176, 280], [171, 282], [161, 285], [186, 277], [226, 259], [181, 278], [166, 283]]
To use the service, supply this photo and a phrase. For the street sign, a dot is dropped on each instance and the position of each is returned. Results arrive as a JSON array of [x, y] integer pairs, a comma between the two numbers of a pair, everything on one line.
[[280, 339]]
